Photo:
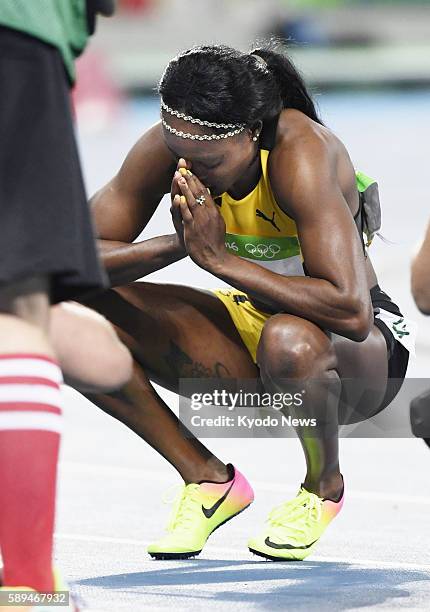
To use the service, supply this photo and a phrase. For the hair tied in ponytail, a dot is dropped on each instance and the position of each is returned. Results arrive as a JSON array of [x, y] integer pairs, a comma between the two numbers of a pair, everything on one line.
[[221, 85]]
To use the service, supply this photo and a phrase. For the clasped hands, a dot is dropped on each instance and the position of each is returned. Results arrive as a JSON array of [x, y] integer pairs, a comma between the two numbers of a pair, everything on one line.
[[197, 219]]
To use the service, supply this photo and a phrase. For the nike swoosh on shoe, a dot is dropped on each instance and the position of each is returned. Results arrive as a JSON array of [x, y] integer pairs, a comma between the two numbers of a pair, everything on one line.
[[209, 512], [268, 542]]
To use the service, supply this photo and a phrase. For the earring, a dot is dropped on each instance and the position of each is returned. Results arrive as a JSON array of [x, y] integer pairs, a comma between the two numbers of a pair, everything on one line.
[[256, 137]]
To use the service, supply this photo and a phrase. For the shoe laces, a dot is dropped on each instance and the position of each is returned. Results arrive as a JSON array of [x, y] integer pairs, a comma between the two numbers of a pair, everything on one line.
[[296, 515], [185, 502]]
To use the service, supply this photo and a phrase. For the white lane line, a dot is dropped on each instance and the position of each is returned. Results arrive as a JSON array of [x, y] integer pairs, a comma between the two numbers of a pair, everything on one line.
[[270, 487], [425, 567]]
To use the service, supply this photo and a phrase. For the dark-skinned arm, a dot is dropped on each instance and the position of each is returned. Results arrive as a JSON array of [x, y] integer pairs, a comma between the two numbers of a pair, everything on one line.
[[335, 295], [123, 208], [126, 263]]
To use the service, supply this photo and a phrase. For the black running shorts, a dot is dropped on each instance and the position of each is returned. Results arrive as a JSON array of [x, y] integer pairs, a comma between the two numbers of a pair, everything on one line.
[[398, 355]]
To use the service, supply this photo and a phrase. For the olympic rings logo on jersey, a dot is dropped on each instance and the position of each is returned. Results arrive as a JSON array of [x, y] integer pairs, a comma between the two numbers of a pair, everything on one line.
[[263, 250]]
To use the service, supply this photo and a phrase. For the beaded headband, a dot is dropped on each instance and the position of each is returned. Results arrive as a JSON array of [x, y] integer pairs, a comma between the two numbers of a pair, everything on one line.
[[261, 61], [234, 129]]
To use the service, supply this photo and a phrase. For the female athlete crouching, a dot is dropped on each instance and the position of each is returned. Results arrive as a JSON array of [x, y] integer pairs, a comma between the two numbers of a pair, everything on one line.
[[264, 197]]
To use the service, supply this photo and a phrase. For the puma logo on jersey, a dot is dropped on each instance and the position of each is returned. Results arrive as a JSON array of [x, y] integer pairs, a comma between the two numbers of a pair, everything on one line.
[[261, 215], [400, 328]]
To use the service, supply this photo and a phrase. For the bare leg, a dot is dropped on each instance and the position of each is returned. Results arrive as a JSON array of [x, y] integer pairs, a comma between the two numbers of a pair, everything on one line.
[[91, 356], [163, 326], [293, 348]]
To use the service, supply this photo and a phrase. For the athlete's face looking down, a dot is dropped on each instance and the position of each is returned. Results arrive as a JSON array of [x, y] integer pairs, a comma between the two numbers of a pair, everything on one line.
[[219, 164]]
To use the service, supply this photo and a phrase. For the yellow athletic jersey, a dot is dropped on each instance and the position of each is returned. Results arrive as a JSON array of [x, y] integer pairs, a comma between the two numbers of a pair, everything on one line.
[[258, 230]]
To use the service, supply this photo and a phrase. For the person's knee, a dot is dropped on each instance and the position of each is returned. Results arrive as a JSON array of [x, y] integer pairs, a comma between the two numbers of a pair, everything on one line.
[[92, 356], [291, 347]]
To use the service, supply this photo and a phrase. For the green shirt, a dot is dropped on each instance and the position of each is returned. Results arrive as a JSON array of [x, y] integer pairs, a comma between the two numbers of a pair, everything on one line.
[[61, 23]]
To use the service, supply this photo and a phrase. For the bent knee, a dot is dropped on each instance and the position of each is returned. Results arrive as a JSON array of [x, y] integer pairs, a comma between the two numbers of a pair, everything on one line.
[[91, 355], [290, 346]]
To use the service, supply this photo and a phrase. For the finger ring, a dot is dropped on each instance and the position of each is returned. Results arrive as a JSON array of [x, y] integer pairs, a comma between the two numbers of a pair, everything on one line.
[[201, 200]]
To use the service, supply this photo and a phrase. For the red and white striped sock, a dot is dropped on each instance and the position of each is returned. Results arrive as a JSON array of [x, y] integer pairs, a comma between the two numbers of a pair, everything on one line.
[[30, 427]]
